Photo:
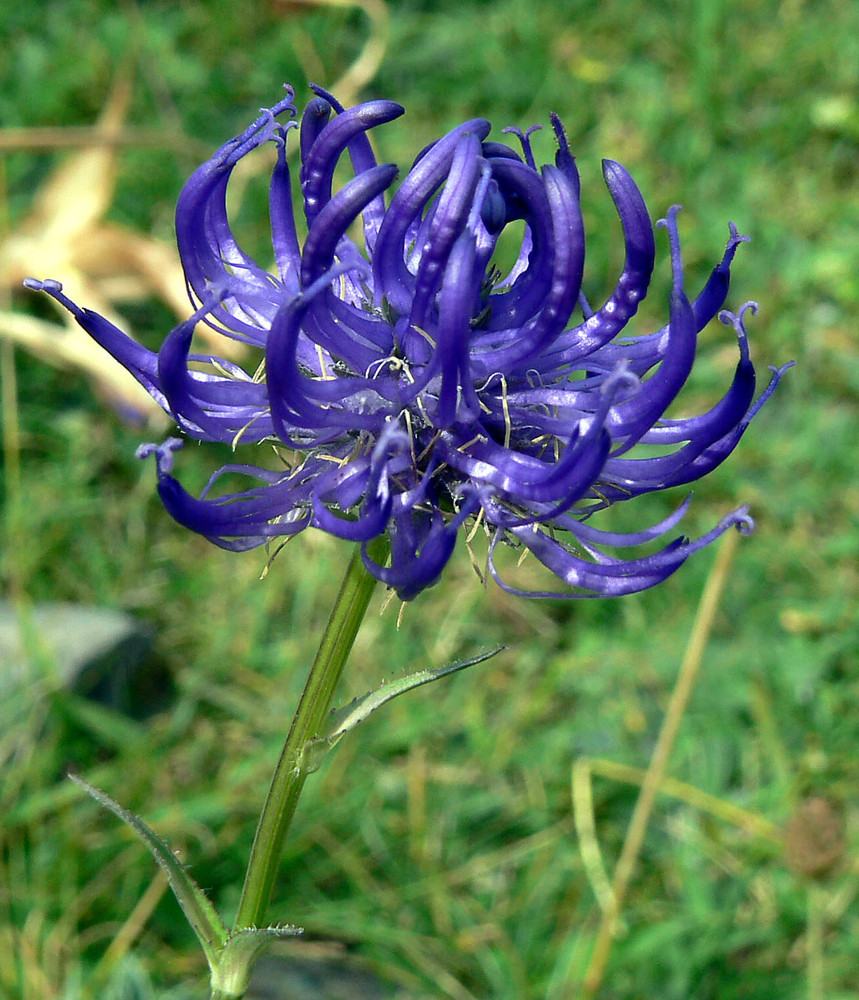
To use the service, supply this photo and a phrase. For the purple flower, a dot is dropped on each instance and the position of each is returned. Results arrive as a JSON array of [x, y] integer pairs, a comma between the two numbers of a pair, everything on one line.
[[411, 388]]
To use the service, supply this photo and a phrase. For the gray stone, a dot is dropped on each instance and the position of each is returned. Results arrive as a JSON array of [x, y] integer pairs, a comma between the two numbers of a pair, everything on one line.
[[99, 653], [296, 977]]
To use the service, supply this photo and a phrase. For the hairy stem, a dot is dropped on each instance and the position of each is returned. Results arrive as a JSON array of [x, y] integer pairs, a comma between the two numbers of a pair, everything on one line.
[[315, 704]]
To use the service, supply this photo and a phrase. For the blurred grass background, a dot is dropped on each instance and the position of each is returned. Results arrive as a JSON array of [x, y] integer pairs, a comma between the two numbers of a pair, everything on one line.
[[438, 845]]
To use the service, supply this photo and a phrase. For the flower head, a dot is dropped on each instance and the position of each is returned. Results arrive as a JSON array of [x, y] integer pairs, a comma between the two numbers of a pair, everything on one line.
[[407, 384]]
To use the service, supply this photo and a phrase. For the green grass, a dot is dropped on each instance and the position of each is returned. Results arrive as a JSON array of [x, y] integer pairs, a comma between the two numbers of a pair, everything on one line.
[[438, 842]]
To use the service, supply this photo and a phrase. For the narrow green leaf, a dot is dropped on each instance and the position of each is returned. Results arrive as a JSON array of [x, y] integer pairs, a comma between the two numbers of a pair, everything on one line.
[[344, 719], [201, 914]]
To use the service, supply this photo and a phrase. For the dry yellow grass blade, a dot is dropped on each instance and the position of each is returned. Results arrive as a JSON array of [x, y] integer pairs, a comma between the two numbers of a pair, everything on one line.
[[66, 212], [653, 778], [348, 86], [67, 346], [99, 263], [585, 768]]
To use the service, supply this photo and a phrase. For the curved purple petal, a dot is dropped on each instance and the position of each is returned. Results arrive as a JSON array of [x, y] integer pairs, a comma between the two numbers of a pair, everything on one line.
[[410, 387], [321, 158], [631, 288], [391, 278]]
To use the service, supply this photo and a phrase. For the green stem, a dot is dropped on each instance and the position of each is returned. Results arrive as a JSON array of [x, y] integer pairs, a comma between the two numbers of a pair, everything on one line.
[[315, 704]]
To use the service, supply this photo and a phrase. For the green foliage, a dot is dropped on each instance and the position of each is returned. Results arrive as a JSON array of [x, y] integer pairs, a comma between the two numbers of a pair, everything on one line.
[[438, 841]]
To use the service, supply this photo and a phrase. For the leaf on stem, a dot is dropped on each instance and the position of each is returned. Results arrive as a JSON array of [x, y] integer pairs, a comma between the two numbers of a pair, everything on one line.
[[344, 719], [201, 914], [231, 978]]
